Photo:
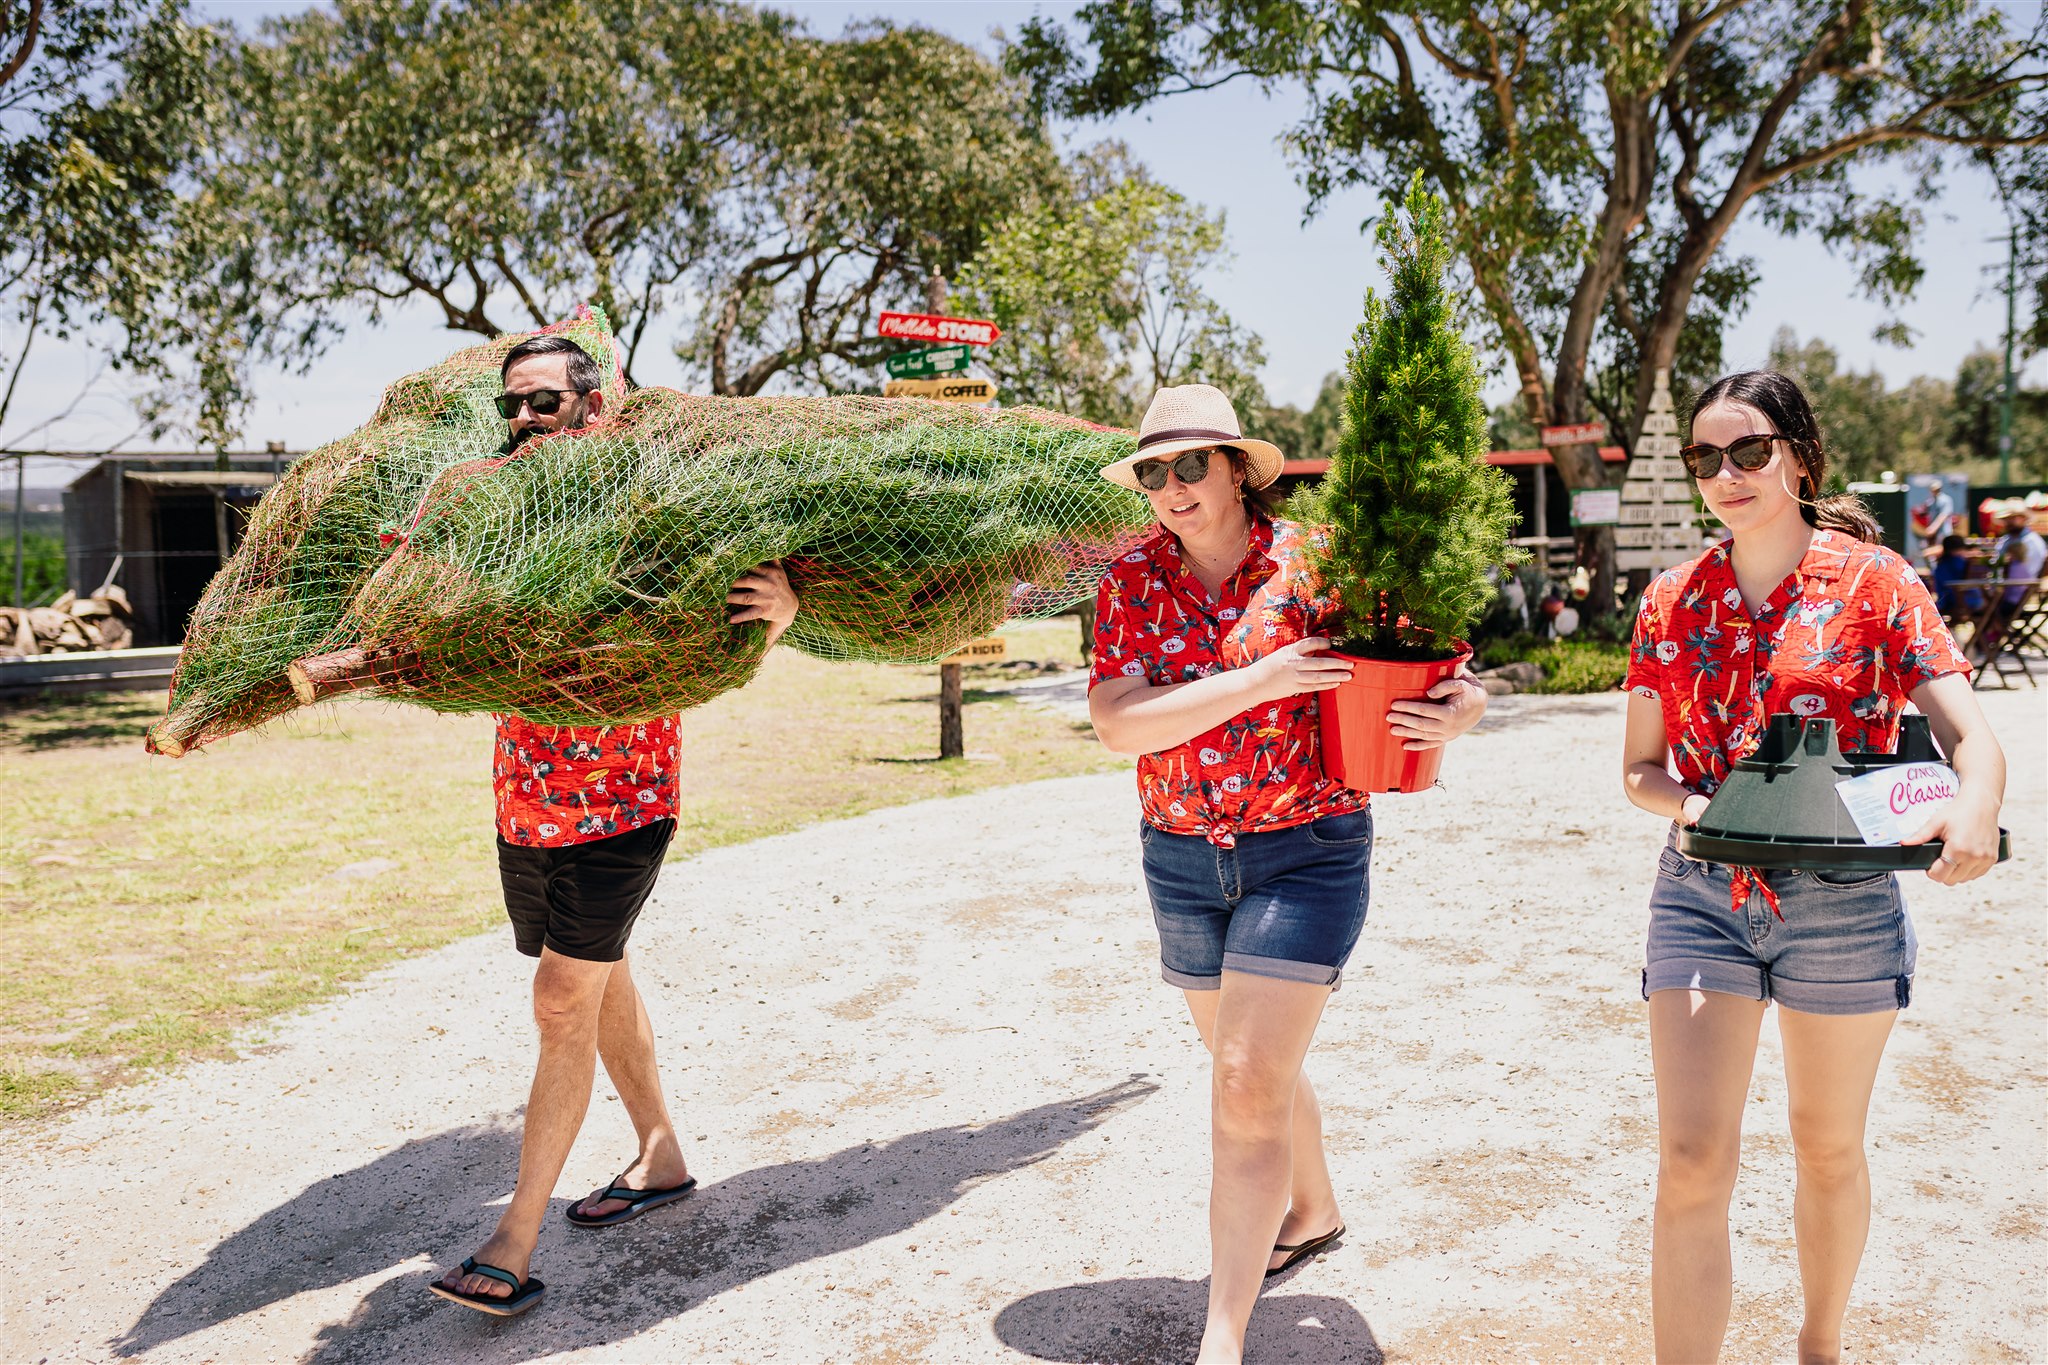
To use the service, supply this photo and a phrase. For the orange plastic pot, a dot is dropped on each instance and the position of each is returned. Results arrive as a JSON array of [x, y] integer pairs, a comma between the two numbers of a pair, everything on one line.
[[1358, 748]]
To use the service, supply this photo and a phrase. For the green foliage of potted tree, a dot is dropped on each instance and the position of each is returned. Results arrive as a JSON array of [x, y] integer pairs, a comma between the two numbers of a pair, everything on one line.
[[1415, 516]]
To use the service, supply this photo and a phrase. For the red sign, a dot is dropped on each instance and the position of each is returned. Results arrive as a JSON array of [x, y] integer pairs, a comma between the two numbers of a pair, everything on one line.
[[1585, 433], [931, 327]]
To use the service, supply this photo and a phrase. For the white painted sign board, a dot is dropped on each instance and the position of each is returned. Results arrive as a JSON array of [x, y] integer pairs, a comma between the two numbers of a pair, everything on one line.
[[1659, 527]]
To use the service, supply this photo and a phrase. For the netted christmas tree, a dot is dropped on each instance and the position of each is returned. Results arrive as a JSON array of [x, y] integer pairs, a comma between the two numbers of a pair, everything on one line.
[[1415, 515], [582, 578]]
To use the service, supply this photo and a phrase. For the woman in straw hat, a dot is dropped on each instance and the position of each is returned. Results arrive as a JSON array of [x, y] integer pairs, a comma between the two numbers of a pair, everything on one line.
[[1206, 667]]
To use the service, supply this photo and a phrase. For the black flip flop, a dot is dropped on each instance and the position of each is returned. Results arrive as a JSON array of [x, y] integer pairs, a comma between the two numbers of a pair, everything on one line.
[[523, 1296], [1301, 1251], [637, 1203]]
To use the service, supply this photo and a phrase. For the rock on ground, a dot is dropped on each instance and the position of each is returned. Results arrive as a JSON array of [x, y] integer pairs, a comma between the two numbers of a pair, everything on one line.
[[943, 1109]]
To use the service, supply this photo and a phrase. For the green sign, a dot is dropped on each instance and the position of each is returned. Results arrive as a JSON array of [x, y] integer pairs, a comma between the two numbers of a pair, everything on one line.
[[928, 362]]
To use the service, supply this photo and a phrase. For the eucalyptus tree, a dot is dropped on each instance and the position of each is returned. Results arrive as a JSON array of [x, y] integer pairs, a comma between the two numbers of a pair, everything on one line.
[[500, 160], [103, 106], [1098, 285], [882, 156], [1596, 155]]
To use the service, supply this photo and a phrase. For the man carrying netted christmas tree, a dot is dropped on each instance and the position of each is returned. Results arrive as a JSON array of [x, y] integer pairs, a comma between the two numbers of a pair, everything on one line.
[[585, 814]]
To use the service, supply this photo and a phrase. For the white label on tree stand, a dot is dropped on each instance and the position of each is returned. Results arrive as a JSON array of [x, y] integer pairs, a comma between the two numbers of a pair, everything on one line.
[[1892, 803]]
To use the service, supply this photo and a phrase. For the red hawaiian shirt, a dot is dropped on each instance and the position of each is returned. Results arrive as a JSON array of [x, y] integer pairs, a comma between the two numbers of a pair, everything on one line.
[[568, 784], [1847, 635], [1263, 768]]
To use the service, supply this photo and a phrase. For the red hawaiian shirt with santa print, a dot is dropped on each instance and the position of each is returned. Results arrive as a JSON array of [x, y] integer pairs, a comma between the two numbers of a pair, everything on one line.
[[1263, 768], [558, 785], [1848, 635]]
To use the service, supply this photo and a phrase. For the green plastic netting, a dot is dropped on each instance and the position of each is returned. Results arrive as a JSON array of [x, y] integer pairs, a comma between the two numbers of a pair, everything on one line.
[[582, 579]]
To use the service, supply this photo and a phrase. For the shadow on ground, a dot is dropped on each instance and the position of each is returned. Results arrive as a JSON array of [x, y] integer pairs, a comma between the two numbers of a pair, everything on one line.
[[1152, 1321], [46, 721], [439, 1196]]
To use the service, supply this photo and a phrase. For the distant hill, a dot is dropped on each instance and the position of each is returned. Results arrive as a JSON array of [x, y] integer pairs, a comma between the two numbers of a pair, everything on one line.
[[49, 500]]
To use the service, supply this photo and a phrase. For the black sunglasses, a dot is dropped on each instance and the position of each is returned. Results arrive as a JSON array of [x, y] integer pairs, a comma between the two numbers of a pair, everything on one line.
[[1750, 453], [1193, 467], [544, 402]]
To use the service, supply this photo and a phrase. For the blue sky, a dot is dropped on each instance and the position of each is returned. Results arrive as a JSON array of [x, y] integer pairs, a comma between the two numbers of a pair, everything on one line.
[[1297, 284]]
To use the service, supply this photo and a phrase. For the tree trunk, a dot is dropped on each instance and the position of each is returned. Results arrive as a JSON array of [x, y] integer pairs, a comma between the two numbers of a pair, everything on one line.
[[1632, 182]]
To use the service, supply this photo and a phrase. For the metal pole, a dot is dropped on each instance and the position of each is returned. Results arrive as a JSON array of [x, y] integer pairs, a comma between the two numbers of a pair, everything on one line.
[[20, 478], [952, 730], [2005, 407], [120, 477], [220, 510]]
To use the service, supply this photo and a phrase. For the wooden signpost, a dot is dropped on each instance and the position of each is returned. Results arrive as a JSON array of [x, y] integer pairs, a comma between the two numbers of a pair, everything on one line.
[[958, 389], [936, 372], [1659, 527]]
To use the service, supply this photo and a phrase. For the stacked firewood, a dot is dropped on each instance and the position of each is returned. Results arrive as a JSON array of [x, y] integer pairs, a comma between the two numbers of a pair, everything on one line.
[[69, 625]]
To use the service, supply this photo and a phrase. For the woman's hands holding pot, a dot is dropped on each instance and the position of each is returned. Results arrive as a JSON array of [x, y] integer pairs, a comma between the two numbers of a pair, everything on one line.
[[1299, 667], [1456, 705]]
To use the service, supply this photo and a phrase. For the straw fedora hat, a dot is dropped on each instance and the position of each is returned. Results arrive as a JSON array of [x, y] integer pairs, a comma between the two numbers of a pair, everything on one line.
[[1188, 417]]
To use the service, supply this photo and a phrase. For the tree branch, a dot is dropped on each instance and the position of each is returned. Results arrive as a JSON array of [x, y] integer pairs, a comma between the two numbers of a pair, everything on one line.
[[28, 340], [729, 311], [1904, 131], [1444, 59], [1625, 313], [1741, 185], [540, 319], [1689, 33], [28, 43], [475, 317]]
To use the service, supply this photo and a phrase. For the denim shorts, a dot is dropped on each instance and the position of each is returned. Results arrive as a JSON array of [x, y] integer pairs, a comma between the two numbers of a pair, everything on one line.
[[1844, 946], [1286, 903]]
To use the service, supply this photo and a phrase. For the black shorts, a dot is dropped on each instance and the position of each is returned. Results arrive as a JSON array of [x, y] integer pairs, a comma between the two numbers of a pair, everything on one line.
[[581, 900]]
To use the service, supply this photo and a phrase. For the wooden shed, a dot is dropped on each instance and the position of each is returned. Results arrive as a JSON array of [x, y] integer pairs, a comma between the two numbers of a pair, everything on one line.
[[160, 527]]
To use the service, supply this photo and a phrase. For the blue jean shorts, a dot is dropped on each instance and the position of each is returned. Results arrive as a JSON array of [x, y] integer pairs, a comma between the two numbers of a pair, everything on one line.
[[1844, 946], [1286, 903]]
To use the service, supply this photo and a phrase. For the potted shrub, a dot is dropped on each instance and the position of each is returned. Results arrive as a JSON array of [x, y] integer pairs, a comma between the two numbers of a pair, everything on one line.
[[1414, 514]]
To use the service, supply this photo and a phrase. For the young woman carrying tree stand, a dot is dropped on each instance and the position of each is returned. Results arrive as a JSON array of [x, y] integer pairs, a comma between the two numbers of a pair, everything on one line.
[[1803, 612]]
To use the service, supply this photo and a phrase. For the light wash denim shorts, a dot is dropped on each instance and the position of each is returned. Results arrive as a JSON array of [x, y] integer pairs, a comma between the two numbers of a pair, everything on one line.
[[1286, 903], [1844, 946]]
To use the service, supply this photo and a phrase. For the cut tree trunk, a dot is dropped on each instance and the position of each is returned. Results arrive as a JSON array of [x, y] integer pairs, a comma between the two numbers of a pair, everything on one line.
[[352, 670]]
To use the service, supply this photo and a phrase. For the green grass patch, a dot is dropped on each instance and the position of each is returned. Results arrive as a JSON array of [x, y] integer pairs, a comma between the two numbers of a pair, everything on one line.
[[1569, 665], [154, 906]]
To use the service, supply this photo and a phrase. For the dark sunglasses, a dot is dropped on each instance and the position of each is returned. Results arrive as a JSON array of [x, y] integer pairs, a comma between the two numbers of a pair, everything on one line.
[[1750, 453], [1193, 467], [544, 402]]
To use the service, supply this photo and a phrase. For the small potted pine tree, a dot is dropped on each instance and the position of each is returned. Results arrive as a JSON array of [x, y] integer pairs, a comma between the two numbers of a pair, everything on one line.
[[1414, 515]]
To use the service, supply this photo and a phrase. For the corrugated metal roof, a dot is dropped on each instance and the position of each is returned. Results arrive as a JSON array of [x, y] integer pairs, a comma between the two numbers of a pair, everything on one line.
[[203, 478], [1611, 454]]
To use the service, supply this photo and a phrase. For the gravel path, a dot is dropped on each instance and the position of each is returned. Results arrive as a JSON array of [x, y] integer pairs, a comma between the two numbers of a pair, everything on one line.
[[944, 1110]]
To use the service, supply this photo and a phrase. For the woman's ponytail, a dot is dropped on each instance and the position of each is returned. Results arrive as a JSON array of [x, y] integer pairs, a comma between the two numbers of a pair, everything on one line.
[[1843, 512]]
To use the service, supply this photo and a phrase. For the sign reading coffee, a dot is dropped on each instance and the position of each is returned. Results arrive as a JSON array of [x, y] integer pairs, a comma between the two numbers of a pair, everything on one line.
[[959, 390]]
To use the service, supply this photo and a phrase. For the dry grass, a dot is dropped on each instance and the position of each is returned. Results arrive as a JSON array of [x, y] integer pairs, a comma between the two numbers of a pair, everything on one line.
[[152, 906]]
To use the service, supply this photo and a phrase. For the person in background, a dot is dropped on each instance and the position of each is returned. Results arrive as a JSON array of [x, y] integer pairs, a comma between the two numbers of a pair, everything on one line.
[[1803, 611], [2018, 555], [1935, 518], [1952, 566]]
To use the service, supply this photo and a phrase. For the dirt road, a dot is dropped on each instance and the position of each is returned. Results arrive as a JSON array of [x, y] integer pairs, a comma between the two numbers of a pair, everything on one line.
[[943, 1109]]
